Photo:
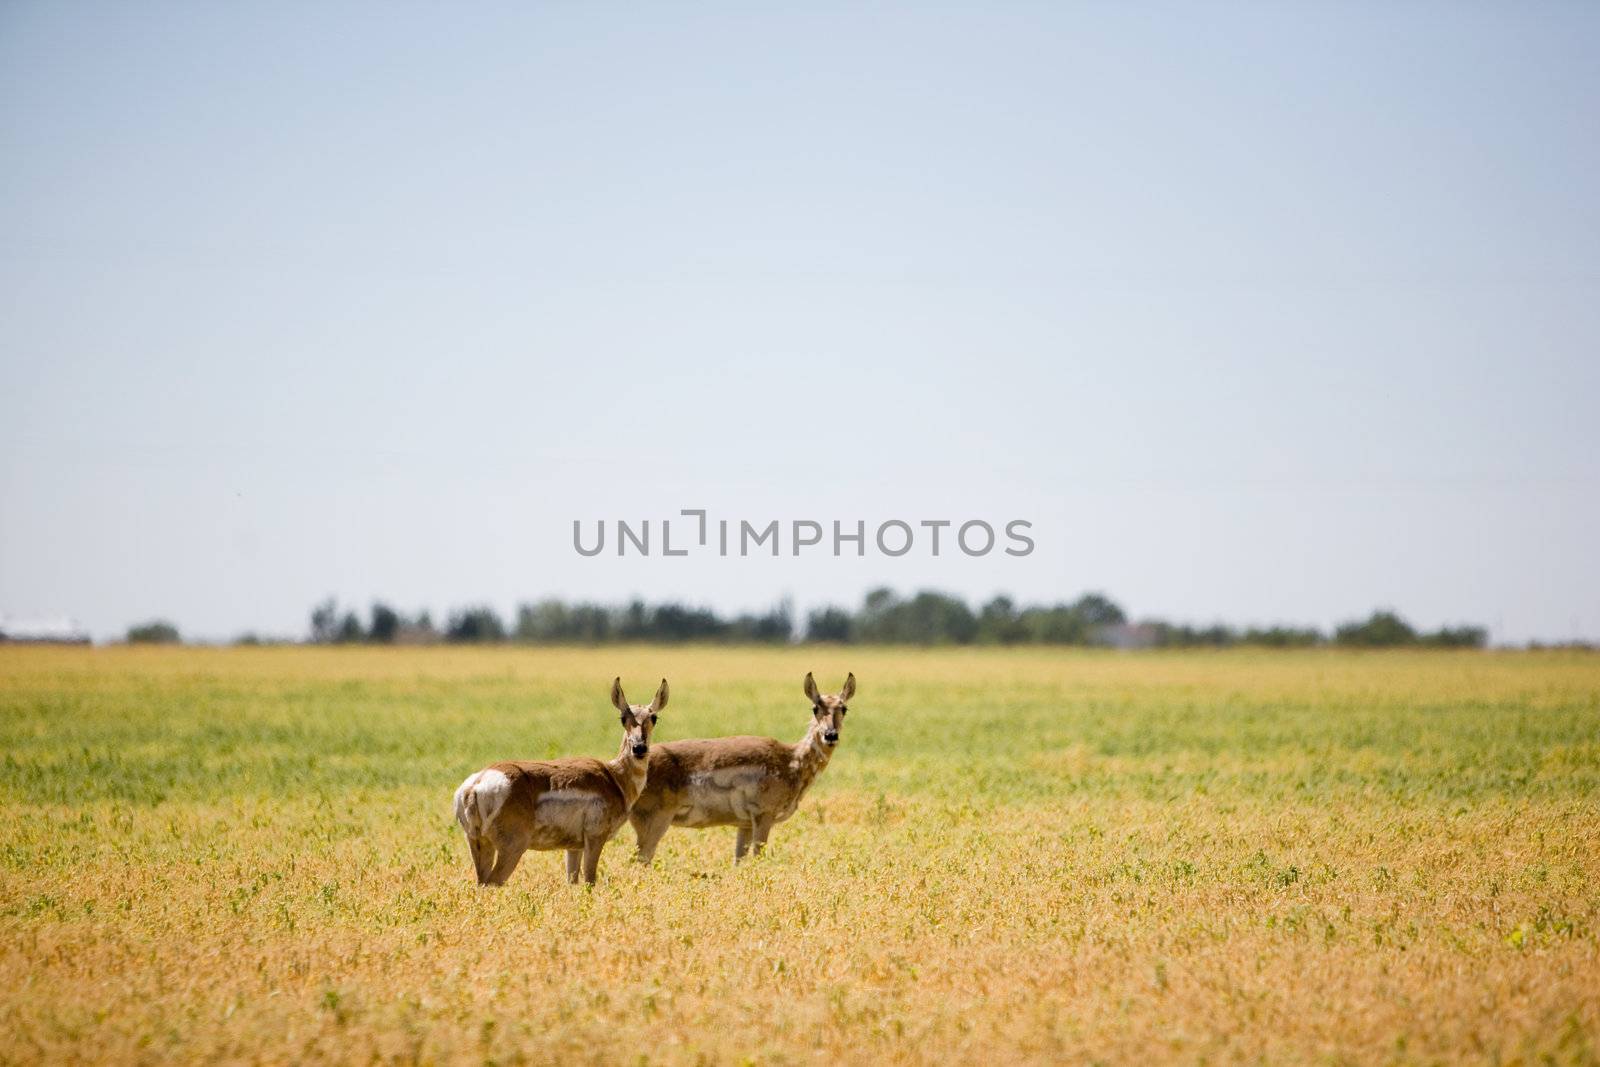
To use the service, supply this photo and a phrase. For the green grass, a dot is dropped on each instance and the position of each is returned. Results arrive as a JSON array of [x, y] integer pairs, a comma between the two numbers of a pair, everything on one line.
[[1040, 855]]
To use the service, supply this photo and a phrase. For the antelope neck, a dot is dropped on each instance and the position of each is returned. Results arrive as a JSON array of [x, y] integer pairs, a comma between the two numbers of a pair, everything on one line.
[[811, 755], [629, 772]]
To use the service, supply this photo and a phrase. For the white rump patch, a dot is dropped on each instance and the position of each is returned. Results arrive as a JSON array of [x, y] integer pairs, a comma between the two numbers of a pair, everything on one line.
[[489, 789], [461, 800]]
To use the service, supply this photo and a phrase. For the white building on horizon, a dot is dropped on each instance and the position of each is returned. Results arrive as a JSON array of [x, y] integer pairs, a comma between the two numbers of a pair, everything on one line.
[[59, 631]]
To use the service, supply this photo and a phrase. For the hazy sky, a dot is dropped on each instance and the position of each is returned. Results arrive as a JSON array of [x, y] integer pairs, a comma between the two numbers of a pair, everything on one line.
[[1258, 312]]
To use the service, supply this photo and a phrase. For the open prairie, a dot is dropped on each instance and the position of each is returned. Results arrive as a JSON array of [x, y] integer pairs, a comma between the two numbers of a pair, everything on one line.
[[1015, 856]]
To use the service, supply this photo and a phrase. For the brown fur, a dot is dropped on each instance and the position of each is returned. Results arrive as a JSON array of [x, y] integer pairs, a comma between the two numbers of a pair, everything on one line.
[[752, 783], [573, 804]]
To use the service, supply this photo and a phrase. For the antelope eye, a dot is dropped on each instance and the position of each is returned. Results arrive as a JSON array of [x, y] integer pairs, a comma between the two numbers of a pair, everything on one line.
[[654, 718], [843, 710]]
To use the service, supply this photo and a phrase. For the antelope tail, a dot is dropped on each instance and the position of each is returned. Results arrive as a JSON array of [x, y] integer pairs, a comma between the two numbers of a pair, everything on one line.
[[479, 800]]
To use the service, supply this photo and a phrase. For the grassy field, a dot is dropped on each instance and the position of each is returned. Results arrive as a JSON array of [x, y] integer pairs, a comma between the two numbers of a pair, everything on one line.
[[1028, 856]]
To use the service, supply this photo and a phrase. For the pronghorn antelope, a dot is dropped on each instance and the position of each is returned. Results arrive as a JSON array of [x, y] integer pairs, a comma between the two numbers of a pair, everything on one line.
[[748, 782], [574, 804]]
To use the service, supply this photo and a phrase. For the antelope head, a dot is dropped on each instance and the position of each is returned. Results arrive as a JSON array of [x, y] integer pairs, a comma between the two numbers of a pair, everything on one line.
[[638, 720], [827, 709]]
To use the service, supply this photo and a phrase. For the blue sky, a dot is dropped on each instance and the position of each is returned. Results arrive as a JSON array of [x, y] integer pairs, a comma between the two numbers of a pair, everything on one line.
[[1257, 312]]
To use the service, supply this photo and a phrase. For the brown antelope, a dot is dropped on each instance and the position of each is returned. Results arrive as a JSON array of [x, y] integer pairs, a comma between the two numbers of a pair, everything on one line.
[[748, 782], [574, 804]]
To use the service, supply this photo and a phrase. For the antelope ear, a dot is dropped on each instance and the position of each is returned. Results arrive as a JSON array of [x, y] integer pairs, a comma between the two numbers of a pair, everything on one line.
[[811, 689], [661, 698], [849, 689], [618, 701]]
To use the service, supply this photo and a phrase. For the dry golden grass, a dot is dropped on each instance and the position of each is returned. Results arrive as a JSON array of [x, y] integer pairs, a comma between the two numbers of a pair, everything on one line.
[[248, 855]]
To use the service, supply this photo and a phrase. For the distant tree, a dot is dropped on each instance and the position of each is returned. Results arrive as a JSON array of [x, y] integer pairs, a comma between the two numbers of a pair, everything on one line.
[[590, 622], [775, 626], [1384, 629], [1283, 636], [830, 624], [548, 620], [999, 623], [1457, 637], [633, 622], [418, 630], [349, 629], [1217, 635], [385, 625], [879, 600], [325, 622], [552, 620], [474, 624], [675, 622], [1096, 609], [155, 632], [873, 621], [929, 618], [1058, 625]]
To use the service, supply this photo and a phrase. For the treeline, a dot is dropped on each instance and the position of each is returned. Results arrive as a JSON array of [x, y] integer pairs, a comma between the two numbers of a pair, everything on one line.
[[552, 621], [1382, 629], [927, 618]]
